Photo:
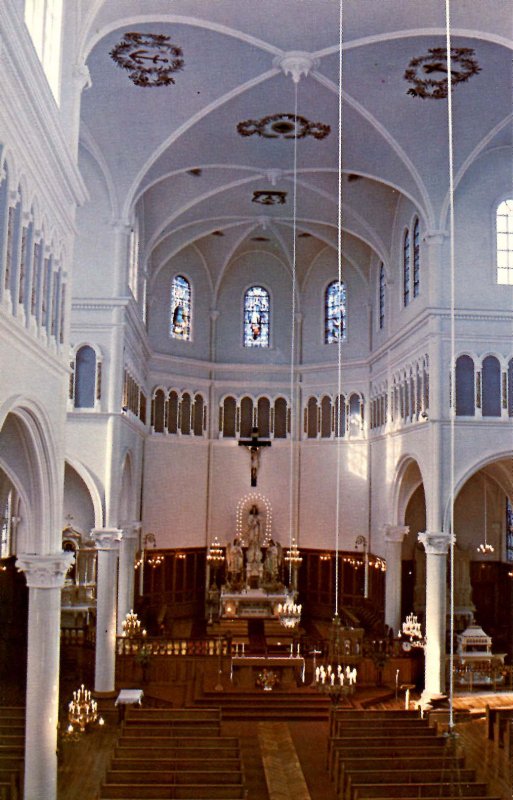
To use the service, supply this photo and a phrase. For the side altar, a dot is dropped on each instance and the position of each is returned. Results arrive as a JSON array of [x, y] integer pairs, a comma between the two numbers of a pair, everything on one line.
[[251, 577]]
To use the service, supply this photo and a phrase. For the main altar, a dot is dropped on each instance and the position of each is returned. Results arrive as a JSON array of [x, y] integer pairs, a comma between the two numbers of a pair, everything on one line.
[[251, 577]]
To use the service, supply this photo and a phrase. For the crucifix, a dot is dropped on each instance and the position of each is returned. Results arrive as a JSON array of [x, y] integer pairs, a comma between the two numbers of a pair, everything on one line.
[[254, 444]]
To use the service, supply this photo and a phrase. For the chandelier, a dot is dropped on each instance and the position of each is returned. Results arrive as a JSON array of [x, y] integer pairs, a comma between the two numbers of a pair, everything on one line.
[[289, 614], [82, 711], [411, 627], [215, 555], [293, 556], [132, 625], [335, 681]]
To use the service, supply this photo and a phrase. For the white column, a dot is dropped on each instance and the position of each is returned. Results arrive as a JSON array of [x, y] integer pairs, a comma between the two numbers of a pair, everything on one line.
[[45, 578], [107, 544], [393, 535], [126, 579], [436, 546]]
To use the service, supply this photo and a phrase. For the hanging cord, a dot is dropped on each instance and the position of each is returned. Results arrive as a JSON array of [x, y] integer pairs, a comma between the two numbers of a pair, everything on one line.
[[453, 353], [339, 431], [293, 343]]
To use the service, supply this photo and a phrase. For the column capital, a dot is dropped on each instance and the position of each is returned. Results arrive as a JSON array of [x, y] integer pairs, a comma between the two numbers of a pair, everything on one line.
[[436, 543], [395, 533], [107, 538], [129, 533], [45, 572]]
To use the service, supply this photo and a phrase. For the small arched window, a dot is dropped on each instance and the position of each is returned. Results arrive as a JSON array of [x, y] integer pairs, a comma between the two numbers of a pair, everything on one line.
[[263, 417], [158, 409], [491, 387], [465, 391], [198, 415], [185, 414], [416, 257], [505, 242], [85, 377], [326, 414], [340, 416], [312, 417], [406, 268], [181, 309], [381, 297], [246, 417], [355, 415], [257, 317], [229, 416], [172, 412], [335, 312], [280, 418]]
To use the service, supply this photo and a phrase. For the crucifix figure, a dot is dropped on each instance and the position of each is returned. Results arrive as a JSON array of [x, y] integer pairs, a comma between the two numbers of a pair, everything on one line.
[[254, 444]]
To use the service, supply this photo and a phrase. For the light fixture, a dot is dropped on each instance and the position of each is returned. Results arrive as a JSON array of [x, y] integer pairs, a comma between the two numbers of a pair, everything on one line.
[[289, 614], [82, 711], [215, 555], [132, 625], [411, 628], [485, 547]]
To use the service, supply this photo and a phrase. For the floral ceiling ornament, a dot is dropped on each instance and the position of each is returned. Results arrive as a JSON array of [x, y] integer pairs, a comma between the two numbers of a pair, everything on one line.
[[428, 73], [269, 198], [283, 126], [150, 58]]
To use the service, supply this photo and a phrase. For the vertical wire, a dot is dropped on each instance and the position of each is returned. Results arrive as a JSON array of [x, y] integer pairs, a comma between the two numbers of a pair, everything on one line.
[[339, 340], [293, 341], [450, 134]]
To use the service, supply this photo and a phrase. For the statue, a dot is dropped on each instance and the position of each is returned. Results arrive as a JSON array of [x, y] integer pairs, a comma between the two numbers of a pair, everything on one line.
[[254, 528], [234, 561], [272, 562]]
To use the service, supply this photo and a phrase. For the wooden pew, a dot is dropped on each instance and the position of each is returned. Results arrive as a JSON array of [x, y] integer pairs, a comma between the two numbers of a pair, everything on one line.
[[401, 761], [404, 792], [412, 778]]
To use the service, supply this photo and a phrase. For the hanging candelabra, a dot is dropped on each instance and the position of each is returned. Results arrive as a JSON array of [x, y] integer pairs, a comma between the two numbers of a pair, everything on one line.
[[132, 625], [485, 547], [289, 614], [82, 711], [411, 628]]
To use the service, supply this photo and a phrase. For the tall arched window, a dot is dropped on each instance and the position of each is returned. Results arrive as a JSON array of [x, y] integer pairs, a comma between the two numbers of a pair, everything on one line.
[[335, 312], [280, 418], [406, 268], [181, 308], [491, 387], [416, 257], [465, 391], [505, 242], [85, 377], [257, 317], [381, 297], [229, 416]]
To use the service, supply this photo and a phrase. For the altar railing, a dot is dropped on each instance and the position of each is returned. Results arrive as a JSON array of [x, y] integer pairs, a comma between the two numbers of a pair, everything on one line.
[[164, 646]]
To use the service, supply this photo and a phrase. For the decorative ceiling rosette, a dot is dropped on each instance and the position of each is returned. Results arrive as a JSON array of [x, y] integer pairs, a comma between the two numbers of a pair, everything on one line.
[[150, 58], [269, 198], [283, 126], [429, 73]]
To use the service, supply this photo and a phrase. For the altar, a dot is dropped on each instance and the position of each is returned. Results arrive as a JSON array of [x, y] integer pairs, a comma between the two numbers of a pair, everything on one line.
[[245, 670], [251, 604]]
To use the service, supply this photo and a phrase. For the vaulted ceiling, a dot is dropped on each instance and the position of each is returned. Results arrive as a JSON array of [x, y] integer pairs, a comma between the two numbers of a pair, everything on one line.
[[192, 151]]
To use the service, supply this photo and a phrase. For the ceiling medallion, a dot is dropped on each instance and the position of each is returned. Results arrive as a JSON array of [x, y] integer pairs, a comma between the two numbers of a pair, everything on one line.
[[150, 58], [269, 198], [283, 126], [434, 64]]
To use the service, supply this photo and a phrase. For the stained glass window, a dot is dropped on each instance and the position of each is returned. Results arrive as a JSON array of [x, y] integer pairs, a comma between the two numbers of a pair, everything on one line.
[[509, 531], [381, 297], [505, 242], [416, 258], [335, 312], [257, 314], [406, 268], [180, 327]]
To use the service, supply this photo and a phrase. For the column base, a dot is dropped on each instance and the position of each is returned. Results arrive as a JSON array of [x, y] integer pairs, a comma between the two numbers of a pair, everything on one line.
[[432, 701]]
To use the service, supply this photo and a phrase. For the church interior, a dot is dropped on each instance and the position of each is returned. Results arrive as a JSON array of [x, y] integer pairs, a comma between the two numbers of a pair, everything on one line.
[[256, 399]]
